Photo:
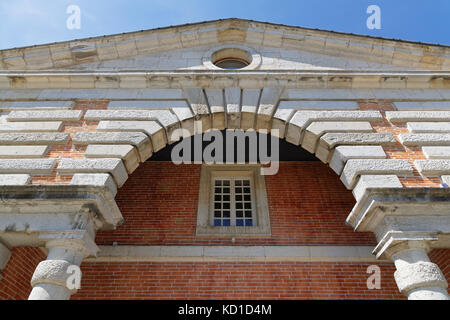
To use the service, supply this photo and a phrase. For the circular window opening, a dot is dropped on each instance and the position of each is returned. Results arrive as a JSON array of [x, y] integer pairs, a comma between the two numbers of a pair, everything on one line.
[[231, 58]]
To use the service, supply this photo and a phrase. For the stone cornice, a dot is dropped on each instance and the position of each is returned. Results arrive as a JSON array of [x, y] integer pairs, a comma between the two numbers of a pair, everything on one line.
[[307, 79]]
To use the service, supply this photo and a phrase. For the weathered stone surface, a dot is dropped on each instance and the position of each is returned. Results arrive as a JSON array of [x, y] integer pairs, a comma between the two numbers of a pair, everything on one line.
[[151, 128], [250, 99], [197, 100], [436, 152], [319, 105], [433, 167], [267, 104], [148, 104], [342, 153], [138, 139], [233, 107], [375, 181], [27, 165], [405, 116], [316, 129], [49, 138], [23, 151], [356, 167], [419, 274], [425, 139], [127, 153], [217, 107], [301, 119], [47, 115], [36, 105], [113, 166], [428, 127], [95, 179], [29, 126], [14, 180]]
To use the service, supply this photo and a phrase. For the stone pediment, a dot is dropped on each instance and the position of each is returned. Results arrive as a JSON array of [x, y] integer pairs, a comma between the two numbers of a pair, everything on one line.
[[186, 47]]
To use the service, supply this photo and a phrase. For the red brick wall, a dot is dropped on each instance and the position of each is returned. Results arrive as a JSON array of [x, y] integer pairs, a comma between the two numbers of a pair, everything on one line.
[[16, 277], [442, 258], [233, 280], [308, 205]]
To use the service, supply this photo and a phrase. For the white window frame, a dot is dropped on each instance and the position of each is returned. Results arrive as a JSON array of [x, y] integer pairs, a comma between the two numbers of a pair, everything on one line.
[[205, 213]]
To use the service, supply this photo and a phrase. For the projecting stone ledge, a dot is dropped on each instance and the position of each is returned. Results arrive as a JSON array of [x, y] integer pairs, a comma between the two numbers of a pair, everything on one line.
[[42, 166], [425, 139], [436, 152], [14, 179], [127, 153], [329, 140], [95, 179], [428, 127], [343, 153], [433, 167], [48, 138], [375, 181], [405, 116], [50, 115], [113, 166], [355, 167], [138, 139]]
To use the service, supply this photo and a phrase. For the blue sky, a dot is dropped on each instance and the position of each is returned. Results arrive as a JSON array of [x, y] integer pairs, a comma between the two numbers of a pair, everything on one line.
[[30, 22]]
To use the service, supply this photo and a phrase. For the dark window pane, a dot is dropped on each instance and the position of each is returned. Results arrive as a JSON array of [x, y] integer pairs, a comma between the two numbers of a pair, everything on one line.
[[217, 206], [226, 214], [218, 183], [217, 214], [238, 197], [246, 190], [226, 182], [226, 222], [226, 198], [248, 205], [238, 190], [238, 205], [248, 222], [217, 222], [226, 190], [247, 197], [239, 214], [246, 182], [226, 205], [248, 214], [217, 190], [238, 182], [217, 197], [239, 222]]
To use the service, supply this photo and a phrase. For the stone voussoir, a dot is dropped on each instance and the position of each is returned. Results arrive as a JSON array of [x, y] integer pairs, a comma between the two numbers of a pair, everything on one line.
[[356, 167], [375, 181], [406, 116], [42, 138], [100, 165], [138, 139], [14, 179], [343, 153], [127, 153], [95, 179], [437, 152], [302, 118], [428, 127], [23, 151]]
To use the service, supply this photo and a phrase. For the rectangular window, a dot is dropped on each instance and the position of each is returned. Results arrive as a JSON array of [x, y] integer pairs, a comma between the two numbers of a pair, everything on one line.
[[232, 202]]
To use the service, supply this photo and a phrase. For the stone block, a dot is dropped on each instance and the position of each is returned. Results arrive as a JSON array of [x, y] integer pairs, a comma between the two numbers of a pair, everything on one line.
[[433, 167], [113, 166], [151, 128], [5, 254], [436, 152], [127, 153], [301, 119], [197, 100], [47, 126], [42, 166], [343, 153], [147, 104], [47, 115], [267, 105], [215, 98], [425, 139], [14, 179], [250, 99], [405, 116], [356, 167], [233, 107], [375, 181], [36, 105], [428, 127], [23, 151], [44, 138], [95, 179], [138, 139], [315, 130]]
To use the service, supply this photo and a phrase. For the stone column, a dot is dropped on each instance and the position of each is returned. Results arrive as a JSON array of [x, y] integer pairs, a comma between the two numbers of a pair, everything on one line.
[[417, 277], [52, 279]]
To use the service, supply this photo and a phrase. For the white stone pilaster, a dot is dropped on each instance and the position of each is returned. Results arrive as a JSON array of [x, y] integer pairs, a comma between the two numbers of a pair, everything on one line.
[[53, 278], [417, 277]]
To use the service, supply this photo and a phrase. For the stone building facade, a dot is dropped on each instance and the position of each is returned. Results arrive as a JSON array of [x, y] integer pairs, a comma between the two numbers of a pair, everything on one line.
[[361, 209]]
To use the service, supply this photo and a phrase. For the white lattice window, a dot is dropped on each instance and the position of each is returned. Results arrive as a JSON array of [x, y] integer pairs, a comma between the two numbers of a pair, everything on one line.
[[232, 201]]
